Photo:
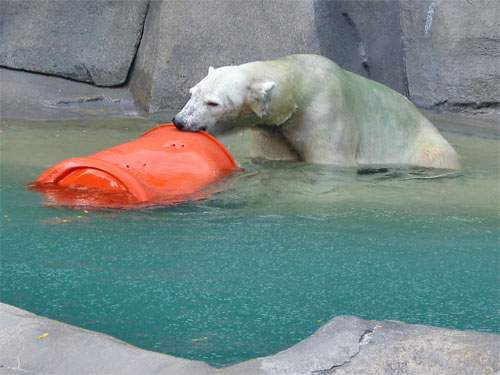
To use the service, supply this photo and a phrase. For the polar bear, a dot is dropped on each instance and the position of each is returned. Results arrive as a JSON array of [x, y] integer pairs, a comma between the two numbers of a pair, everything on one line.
[[305, 107]]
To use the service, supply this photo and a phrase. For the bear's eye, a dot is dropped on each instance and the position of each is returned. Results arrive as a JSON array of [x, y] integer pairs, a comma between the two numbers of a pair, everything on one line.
[[212, 104]]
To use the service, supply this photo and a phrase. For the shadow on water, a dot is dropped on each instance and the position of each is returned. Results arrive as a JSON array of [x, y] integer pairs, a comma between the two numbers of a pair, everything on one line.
[[407, 173]]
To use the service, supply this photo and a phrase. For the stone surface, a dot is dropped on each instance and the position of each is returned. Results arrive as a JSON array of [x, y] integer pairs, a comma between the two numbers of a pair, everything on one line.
[[398, 348], [452, 52], [345, 345], [444, 54], [351, 346], [92, 41], [363, 37], [181, 41], [32, 96], [70, 350]]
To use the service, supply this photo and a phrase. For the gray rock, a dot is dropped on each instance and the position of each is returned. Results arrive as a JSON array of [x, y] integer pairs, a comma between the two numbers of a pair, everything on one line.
[[92, 41], [348, 345], [442, 53], [332, 346], [32, 96], [181, 40], [363, 37], [401, 349], [345, 345], [452, 52], [71, 350]]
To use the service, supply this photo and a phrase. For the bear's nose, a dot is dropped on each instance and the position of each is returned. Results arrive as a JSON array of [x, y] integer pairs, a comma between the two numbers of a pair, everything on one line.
[[179, 124]]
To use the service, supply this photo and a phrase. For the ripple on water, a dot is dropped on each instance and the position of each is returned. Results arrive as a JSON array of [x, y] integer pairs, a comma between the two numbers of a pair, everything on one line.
[[261, 265]]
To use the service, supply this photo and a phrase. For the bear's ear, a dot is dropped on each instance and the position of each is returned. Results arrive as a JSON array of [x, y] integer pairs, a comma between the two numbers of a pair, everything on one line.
[[211, 69], [259, 95]]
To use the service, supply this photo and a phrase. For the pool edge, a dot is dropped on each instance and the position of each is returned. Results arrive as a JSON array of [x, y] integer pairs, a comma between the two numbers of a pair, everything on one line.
[[36, 344]]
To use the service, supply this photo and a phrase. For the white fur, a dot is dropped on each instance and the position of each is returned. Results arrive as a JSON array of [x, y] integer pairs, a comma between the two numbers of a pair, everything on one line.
[[306, 107]]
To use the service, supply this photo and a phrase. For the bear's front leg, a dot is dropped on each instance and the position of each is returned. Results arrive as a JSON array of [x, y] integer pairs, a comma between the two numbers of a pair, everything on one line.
[[269, 143], [322, 136]]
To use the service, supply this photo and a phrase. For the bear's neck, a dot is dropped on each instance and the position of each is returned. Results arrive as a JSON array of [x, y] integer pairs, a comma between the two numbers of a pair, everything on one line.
[[282, 104]]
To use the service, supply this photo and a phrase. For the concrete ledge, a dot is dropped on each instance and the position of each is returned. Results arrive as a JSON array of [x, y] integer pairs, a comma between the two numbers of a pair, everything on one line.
[[344, 345], [33, 96], [71, 350]]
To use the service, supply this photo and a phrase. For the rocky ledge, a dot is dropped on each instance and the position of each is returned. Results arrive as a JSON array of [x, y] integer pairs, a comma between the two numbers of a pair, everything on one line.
[[344, 345]]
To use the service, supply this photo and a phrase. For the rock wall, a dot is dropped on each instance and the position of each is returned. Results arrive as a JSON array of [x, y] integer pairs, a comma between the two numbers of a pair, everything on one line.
[[91, 41], [180, 42], [440, 53], [452, 52], [363, 37]]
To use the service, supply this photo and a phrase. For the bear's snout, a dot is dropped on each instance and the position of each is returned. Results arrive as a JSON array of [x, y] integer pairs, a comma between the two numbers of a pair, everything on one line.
[[179, 123]]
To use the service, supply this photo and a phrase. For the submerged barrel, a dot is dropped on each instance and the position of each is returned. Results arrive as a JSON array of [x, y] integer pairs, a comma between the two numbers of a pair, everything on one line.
[[163, 165]]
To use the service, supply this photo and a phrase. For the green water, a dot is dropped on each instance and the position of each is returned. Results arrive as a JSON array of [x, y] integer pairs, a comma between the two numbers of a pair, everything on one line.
[[260, 266]]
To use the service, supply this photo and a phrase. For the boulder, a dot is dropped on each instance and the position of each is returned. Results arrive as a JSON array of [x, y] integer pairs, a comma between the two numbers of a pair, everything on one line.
[[181, 40], [363, 37], [25, 95], [92, 41], [345, 345], [348, 345], [452, 53], [37, 345], [443, 54]]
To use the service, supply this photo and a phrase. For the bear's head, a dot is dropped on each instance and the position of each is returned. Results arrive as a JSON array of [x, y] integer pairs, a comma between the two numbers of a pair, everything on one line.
[[228, 97]]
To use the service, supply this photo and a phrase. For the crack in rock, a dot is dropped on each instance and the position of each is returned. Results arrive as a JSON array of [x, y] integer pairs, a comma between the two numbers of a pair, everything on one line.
[[365, 338], [18, 357], [361, 45], [85, 100], [468, 105]]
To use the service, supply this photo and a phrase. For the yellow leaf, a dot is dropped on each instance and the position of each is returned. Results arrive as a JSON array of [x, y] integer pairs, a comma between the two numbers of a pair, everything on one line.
[[200, 339], [43, 336]]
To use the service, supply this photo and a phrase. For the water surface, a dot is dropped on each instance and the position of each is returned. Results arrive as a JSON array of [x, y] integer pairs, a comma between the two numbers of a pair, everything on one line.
[[260, 266]]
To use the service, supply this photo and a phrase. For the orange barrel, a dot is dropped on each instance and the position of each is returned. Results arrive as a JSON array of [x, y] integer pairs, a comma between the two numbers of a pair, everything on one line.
[[163, 165]]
